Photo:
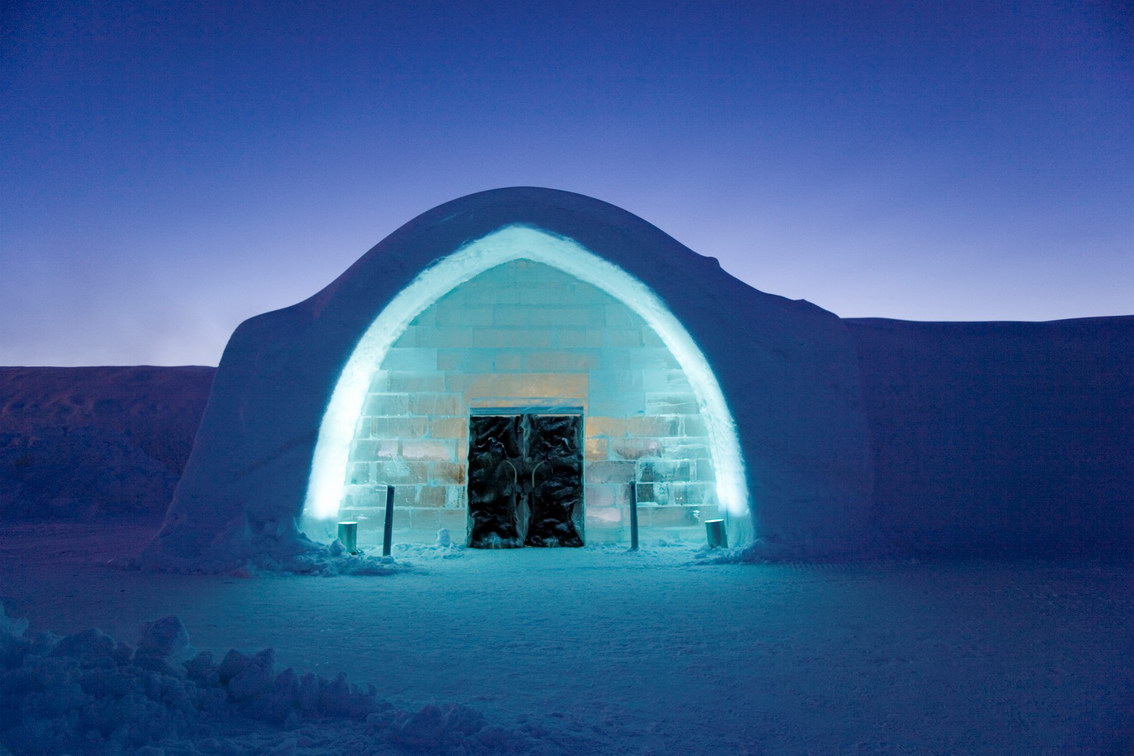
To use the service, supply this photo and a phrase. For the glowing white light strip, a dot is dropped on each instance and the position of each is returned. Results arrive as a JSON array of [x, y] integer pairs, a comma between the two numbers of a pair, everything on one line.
[[332, 449]]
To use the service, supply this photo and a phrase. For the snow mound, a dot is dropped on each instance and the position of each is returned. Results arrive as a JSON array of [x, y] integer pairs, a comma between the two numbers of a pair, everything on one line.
[[303, 558], [768, 551], [333, 559], [87, 693]]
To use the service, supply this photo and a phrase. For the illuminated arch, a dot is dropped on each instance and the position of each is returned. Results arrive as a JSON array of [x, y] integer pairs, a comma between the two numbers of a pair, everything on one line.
[[514, 242]]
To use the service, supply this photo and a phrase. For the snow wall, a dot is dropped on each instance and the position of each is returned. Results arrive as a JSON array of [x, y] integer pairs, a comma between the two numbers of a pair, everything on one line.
[[788, 371], [1002, 437], [91, 441]]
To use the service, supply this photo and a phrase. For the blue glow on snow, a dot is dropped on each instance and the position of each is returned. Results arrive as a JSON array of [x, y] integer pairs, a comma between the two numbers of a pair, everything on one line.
[[516, 242]]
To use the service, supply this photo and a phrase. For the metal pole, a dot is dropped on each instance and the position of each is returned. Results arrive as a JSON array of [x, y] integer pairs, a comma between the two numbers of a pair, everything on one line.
[[633, 516], [388, 535]]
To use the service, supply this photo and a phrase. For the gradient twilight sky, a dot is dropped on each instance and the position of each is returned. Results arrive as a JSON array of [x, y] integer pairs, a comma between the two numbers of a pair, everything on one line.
[[169, 169]]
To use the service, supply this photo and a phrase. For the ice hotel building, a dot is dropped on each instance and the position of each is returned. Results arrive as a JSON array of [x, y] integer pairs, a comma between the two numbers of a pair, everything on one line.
[[512, 361]]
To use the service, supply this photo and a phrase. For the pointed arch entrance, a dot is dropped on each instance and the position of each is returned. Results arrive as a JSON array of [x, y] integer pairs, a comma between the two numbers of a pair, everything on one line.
[[350, 457]]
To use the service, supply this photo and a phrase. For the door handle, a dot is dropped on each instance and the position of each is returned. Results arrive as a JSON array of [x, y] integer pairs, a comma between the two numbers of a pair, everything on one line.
[[515, 474], [541, 464]]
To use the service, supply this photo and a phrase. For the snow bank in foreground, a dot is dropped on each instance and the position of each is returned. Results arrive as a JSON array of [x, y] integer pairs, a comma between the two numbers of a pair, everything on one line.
[[87, 693]]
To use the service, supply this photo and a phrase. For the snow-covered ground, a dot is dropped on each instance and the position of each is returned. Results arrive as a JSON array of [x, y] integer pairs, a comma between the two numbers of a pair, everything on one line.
[[604, 651]]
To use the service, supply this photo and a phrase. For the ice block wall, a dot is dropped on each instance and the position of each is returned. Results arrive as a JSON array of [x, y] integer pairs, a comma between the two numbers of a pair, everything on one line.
[[525, 335]]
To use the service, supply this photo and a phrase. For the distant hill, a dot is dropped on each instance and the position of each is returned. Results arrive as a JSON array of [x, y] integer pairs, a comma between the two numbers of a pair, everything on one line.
[[90, 441]]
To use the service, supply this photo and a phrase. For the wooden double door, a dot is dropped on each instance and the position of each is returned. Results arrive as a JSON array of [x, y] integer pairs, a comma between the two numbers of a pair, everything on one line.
[[525, 480]]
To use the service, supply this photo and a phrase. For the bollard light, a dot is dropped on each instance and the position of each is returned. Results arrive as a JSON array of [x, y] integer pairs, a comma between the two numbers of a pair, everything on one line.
[[716, 534], [348, 536]]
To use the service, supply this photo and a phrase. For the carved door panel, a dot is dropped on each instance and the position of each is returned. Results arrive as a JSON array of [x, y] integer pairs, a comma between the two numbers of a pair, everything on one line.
[[525, 480], [555, 458], [495, 483]]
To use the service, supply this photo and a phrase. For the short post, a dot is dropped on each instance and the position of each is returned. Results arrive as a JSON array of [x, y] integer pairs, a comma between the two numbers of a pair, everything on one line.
[[633, 516], [388, 535], [716, 534]]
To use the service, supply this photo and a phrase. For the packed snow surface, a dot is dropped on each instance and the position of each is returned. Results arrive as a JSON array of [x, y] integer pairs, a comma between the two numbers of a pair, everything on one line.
[[668, 650]]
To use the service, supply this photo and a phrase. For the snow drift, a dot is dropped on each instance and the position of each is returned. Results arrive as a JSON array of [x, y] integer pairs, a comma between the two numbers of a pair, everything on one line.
[[87, 693], [81, 442]]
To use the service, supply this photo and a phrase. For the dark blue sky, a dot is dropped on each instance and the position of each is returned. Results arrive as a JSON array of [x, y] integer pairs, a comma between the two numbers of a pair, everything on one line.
[[169, 169]]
